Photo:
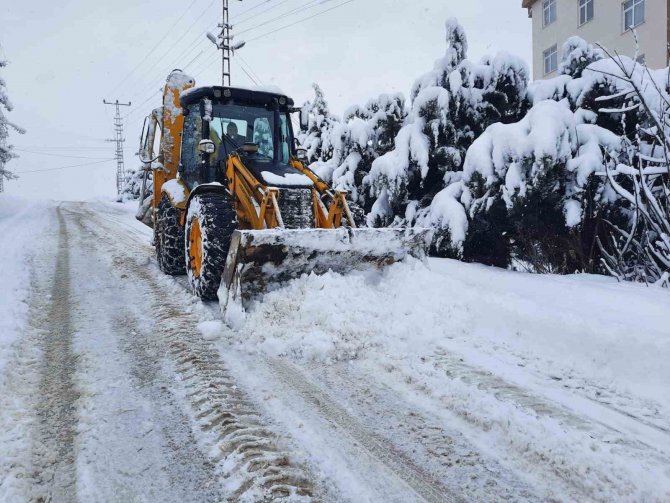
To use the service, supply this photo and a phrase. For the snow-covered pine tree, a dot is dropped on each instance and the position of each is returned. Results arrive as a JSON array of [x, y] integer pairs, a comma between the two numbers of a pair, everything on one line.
[[316, 122], [451, 106], [6, 150], [366, 133]]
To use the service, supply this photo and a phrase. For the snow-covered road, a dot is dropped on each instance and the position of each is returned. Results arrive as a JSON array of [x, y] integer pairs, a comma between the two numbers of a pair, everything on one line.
[[428, 382]]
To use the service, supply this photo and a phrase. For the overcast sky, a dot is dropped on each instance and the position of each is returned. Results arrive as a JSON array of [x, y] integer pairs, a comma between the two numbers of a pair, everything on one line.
[[66, 56]]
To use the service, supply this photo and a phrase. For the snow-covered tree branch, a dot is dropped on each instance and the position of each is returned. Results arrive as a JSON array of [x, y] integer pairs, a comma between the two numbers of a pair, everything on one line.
[[6, 150]]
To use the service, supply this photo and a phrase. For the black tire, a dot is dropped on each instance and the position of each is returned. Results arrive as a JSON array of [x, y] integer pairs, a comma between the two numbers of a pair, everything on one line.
[[217, 220], [169, 239]]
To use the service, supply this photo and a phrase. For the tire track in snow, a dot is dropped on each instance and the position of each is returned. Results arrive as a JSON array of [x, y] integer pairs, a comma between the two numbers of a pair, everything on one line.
[[378, 448], [56, 410], [629, 438], [248, 456], [20, 378]]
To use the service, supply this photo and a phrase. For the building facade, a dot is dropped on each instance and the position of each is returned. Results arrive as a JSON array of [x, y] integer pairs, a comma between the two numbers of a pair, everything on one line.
[[607, 22]]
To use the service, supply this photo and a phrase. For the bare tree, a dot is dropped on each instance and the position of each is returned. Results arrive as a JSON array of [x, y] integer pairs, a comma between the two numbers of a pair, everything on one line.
[[640, 251]]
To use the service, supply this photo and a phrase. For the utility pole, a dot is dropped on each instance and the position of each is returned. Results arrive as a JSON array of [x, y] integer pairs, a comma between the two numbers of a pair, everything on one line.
[[223, 42], [118, 139]]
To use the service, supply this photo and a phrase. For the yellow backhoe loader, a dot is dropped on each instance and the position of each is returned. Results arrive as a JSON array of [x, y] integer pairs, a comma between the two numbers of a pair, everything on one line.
[[235, 207]]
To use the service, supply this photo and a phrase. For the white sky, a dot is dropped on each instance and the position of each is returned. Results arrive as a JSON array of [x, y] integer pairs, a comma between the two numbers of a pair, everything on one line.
[[67, 56]]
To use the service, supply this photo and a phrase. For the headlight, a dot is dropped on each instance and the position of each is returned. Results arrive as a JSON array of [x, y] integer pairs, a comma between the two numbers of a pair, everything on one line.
[[206, 146]]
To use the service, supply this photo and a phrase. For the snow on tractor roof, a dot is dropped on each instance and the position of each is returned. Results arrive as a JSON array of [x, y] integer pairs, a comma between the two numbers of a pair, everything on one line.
[[260, 96]]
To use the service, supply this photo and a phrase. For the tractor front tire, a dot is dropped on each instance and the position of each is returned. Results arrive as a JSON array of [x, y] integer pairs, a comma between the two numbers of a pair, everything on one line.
[[210, 223], [169, 238]]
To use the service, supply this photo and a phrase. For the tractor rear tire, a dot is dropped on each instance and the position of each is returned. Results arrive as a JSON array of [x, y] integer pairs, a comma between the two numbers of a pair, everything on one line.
[[169, 239], [210, 223]]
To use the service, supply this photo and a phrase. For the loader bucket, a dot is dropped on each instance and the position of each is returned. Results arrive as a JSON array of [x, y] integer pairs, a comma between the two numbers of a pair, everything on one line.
[[261, 261]]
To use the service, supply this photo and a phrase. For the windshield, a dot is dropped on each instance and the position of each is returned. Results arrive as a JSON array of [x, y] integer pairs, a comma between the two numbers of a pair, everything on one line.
[[234, 125]]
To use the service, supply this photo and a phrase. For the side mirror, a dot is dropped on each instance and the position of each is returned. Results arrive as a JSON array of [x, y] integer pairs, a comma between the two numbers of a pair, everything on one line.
[[206, 147], [301, 154], [304, 120]]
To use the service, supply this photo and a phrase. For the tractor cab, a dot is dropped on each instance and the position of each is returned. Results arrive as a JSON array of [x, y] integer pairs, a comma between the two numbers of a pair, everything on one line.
[[253, 125]]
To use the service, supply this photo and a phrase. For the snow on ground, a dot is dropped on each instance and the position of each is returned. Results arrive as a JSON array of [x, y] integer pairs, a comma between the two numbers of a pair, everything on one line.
[[431, 380], [26, 233], [21, 226], [581, 326], [531, 365]]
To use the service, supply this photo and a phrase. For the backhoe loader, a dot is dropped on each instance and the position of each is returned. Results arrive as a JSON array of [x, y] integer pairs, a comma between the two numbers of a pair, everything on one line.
[[234, 205]]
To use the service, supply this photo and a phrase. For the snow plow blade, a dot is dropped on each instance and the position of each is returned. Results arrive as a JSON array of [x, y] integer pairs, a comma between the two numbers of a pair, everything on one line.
[[261, 261]]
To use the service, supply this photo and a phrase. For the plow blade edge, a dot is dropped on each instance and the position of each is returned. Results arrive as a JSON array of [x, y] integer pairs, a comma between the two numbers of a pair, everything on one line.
[[261, 261]]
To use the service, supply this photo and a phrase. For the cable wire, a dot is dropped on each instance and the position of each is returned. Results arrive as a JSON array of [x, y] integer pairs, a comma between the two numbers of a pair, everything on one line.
[[154, 47], [63, 167], [302, 8], [180, 38], [298, 22], [57, 155]]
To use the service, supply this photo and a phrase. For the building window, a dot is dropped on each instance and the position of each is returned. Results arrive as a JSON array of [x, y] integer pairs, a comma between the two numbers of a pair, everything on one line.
[[548, 12], [551, 59], [585, 11], [633, 14]]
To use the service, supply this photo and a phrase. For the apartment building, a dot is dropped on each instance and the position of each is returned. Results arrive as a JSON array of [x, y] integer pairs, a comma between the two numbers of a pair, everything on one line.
[[607, 22]]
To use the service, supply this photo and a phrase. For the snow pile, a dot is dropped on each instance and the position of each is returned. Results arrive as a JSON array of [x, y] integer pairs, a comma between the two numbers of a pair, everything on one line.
[[412, 309]]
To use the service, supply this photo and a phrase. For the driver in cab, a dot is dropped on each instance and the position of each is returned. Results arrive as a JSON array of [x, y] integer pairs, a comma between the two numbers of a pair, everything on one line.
[[232, 133]]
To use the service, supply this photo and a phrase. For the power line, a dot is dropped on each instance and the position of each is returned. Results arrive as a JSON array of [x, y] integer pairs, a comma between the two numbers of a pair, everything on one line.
[[202, 52], [249, 75], [65, 167], [139, 107], [241, 21], [68, 148], [179, 39], [246, 63], [254, 7], [57, 155], [298, 22], [200, 38], [154, 47], [302, 8]]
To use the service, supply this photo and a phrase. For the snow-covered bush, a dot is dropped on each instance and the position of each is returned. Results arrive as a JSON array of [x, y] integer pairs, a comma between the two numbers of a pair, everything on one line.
[[6, 151], [577, 55], [451, 106], [580, 183], [533, 193], [133, 183]]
